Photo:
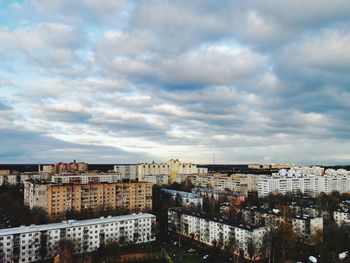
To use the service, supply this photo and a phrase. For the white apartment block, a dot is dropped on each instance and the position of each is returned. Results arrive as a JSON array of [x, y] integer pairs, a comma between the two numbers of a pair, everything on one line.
[[337, 172], [156, 179], [302, 170], [307, 184], [13, 179], [86, 178], [341, 216], [220, 233], [37, 242], [35, 195], [186, 199], [127, 171], [307, 228]]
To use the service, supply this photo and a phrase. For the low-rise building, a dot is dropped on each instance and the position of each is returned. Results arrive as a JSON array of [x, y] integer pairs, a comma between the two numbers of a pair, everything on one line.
[[307, 228], [233, 236], [185, 199], [39, 242], [217, 194], [341, 216]]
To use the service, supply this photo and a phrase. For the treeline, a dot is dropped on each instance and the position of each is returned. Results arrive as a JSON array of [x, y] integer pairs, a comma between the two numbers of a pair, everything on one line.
[[279, 201], [13, 209]]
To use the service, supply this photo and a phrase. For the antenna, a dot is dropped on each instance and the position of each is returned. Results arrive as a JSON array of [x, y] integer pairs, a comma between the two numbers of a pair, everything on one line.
[[213, 158]]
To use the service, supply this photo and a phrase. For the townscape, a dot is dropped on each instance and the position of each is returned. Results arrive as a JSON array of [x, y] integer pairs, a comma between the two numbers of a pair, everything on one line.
[[175, 212]]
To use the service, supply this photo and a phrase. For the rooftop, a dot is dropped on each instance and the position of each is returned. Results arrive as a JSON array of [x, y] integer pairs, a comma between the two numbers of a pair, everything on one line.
[[234, 223], [72, 223]]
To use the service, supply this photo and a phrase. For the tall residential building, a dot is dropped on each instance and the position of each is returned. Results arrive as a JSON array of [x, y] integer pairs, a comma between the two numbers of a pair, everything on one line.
[[57, 199], [127, 171], [171, 168], [308, 184], [39, 242], [231, 235], [86, 178]]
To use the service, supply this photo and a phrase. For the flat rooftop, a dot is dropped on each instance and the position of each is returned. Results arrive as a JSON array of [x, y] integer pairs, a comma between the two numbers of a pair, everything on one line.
[[73, 223]]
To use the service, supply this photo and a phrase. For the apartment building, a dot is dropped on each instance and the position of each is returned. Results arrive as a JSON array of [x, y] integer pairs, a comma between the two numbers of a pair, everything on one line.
[[308, 228], [127, 171], [341, 216], [171, 168], [16, 179], [157, 179], [241, 183], [185, 199], [271, 218], [39, 242], [57, 199], [312, 185], [59, 168], [231, 235], [217, 194], [86, 178]]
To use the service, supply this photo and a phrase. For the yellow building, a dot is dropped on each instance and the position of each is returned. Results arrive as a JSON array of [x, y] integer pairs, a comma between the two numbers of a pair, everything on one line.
[[171, 168], [60, 198]]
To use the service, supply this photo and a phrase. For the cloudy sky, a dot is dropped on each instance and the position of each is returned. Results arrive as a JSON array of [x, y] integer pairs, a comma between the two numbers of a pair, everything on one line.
[[118, 81]]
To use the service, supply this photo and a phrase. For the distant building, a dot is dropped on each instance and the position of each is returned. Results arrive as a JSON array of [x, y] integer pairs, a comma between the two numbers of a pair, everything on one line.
[[86, 178], [127, 171], [156, 179], [269, 166], [172, 168], [17, 179], [186, 199], [218, 194], [238, 183], [61, 167], [57, 199], [38, 242], [311, 185]]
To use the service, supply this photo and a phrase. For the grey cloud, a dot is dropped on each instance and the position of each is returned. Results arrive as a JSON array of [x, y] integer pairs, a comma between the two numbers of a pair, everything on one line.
[[34, 147]]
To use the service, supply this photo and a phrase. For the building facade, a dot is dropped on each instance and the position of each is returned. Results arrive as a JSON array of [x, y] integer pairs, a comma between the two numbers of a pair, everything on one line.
[[239, 183], [57, 199], [308, 228], [185, 199], [38, 242], [341, 216], [86, 178], [127, 171], [220, 233], [311, 185], [171, 168]]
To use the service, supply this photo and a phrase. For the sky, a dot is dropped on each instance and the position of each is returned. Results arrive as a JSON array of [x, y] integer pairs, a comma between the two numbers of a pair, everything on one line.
[[119, 81]]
